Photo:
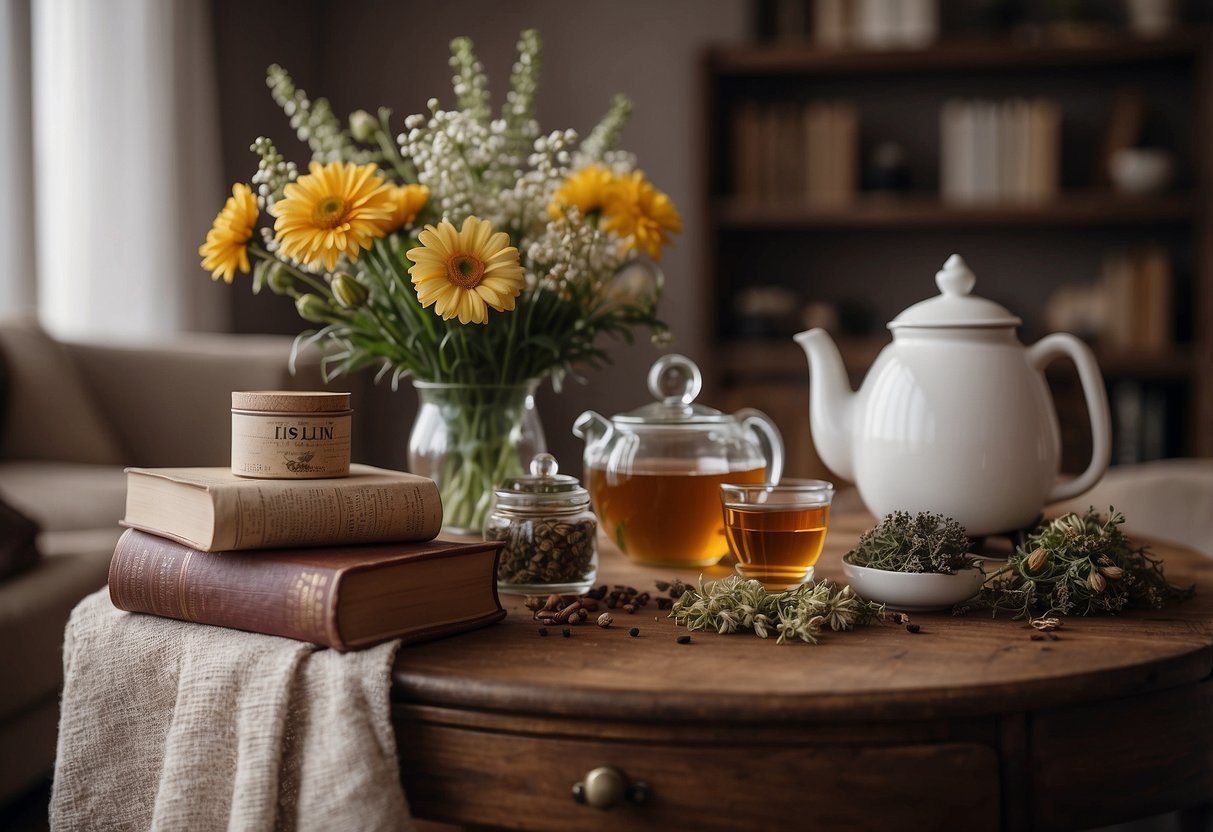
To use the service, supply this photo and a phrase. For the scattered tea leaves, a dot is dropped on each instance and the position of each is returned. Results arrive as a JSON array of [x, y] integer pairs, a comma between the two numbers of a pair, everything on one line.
[[734, 603], [1077, 565]]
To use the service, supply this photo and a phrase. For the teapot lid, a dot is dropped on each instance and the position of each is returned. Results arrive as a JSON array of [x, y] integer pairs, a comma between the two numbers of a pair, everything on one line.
[[955, 307], [675, 381]]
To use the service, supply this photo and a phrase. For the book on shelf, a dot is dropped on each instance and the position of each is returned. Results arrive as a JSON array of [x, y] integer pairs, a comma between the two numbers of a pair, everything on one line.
[[788, 151], [874, 24], [211, 509], [999, 151], [1138, 294], [344, 597]]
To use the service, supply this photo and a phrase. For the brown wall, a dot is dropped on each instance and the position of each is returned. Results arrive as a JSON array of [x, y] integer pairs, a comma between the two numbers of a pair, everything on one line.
[[373, 52]]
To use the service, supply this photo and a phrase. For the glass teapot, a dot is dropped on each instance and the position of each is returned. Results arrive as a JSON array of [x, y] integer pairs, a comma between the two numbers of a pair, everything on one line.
[[654, 473]]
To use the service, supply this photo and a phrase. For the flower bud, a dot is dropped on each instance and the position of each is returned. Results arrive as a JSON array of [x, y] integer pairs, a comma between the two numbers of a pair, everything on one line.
[[1097, 581], [1114, 573], [279, 278], [363, 125], [350, 294], [313, 308], [1037, 559]]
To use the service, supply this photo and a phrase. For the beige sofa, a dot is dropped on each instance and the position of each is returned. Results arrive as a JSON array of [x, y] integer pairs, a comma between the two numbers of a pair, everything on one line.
[[73, 416]]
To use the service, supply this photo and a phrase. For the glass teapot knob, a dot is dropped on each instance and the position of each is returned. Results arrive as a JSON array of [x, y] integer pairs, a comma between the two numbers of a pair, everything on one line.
[[544, 465], [674, 378]]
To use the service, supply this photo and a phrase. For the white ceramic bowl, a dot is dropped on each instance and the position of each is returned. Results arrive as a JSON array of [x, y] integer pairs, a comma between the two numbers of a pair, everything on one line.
[[913, 591]]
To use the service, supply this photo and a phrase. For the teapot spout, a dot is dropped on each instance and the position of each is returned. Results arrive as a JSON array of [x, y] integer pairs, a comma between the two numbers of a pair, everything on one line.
[[830, 402], [592, 427]]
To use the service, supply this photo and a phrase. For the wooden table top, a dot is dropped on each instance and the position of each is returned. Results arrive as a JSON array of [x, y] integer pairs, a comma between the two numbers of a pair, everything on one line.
[[972, 665]]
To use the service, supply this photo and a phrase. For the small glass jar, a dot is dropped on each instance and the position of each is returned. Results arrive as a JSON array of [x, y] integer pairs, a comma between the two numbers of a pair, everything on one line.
[[549, 531]]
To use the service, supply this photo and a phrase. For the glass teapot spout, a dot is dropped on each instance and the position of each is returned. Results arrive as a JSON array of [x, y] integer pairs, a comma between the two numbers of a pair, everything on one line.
[[593, 427]]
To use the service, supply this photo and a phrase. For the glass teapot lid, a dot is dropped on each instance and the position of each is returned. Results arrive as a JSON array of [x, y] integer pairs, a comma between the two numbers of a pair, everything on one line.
[[675, 381], [955, 307]]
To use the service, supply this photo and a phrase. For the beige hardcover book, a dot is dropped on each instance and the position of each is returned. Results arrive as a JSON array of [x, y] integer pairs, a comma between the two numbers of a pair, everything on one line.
[[1046, 131], [212, 509]]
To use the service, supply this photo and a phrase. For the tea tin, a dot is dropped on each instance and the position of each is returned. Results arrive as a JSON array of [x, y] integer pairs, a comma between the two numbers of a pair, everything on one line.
[[286, 434]]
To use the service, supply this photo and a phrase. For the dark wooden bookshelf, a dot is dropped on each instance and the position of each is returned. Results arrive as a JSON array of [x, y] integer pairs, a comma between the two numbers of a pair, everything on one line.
[[1089, 51], [1091, 208], [882, 248]]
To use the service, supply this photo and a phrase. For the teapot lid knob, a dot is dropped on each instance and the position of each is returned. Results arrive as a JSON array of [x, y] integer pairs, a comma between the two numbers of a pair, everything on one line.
[[675, 379], [955, 278]]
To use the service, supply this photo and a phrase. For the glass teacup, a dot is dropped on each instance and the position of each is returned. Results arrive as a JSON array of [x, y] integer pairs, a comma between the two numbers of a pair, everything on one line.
[[776, 532]]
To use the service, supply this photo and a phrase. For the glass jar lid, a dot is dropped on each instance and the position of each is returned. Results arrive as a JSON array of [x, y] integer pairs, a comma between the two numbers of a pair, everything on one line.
[[675, 381], [545, 487]]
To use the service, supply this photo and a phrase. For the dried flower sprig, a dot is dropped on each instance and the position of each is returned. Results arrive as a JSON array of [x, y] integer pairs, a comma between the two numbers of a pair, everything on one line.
[[1078, 565], [926, 542], [734, 603]]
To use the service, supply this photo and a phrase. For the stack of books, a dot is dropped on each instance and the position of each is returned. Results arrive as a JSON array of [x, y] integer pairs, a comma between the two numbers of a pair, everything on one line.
[[345, 563], [1000, 151], [789, 151]]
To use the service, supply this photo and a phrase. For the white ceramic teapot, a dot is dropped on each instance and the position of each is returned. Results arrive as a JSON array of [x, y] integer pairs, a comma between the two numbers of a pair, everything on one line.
[[954, 416]]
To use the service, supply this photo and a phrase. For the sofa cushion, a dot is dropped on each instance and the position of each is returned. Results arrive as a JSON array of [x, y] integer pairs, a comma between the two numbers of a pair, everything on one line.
[[65, 496], [42, 380], [34, 607], [18, 551]]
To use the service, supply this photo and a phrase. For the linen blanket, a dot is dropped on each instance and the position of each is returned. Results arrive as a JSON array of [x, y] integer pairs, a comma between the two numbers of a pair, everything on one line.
[[171, 725]]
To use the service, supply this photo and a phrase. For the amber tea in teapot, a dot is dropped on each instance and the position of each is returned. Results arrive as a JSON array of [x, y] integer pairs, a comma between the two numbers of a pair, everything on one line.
[[663, 515], [654, 473]]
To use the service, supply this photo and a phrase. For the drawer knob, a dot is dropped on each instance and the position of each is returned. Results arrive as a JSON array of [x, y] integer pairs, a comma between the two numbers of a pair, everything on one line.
[[606, 787]]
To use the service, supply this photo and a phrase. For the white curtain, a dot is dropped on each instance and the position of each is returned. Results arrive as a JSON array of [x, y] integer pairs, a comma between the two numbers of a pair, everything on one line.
[[126, 167], [17, 294]]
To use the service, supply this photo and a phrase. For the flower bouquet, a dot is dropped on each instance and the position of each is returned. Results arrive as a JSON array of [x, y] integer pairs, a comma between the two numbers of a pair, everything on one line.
[[469, 253]]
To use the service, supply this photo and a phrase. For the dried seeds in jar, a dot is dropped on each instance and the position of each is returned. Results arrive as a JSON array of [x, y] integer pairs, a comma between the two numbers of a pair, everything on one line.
[[549, 531]]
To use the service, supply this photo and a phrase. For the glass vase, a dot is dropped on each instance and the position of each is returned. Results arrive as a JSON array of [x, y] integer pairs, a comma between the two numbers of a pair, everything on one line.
[[470, 437]]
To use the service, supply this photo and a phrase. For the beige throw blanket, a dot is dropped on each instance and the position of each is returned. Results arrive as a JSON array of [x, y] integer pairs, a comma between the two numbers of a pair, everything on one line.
[[170, 725]]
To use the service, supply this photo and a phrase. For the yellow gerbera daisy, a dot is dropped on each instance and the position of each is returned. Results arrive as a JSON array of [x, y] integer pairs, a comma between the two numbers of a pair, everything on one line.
[[462, 271], [333, 209], [638, 210], [407, 202], [587, 190], [226, 245]]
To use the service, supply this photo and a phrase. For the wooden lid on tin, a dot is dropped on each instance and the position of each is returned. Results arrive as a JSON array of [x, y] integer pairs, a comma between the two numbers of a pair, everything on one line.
[[290, 401]]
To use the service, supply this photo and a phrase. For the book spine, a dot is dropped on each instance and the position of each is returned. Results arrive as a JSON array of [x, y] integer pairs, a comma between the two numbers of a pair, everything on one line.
[[320, 513], [151, 574]]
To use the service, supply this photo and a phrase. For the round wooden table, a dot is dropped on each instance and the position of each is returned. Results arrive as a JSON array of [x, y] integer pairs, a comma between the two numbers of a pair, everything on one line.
[[968, 724]]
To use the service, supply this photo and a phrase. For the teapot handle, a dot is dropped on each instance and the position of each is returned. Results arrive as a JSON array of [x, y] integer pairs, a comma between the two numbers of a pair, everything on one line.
[[768, 436], [1062, 344]]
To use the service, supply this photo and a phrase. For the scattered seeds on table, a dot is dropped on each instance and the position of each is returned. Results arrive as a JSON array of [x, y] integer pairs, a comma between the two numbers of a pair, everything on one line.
[[543, 631], [913, 628], [566, 632], [684, 639], [635, 631], [1037, 637]]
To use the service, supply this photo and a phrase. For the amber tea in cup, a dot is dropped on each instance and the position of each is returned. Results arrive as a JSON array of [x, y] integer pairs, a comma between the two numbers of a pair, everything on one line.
[[776, 532]]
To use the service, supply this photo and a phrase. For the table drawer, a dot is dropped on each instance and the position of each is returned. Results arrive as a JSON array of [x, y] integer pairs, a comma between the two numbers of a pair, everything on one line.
[[517, 781], [1101, 763]]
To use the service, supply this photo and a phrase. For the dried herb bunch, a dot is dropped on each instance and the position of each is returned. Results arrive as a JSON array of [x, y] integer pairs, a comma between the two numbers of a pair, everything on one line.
[[1078, 565], [925, 542], [734, 603]]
